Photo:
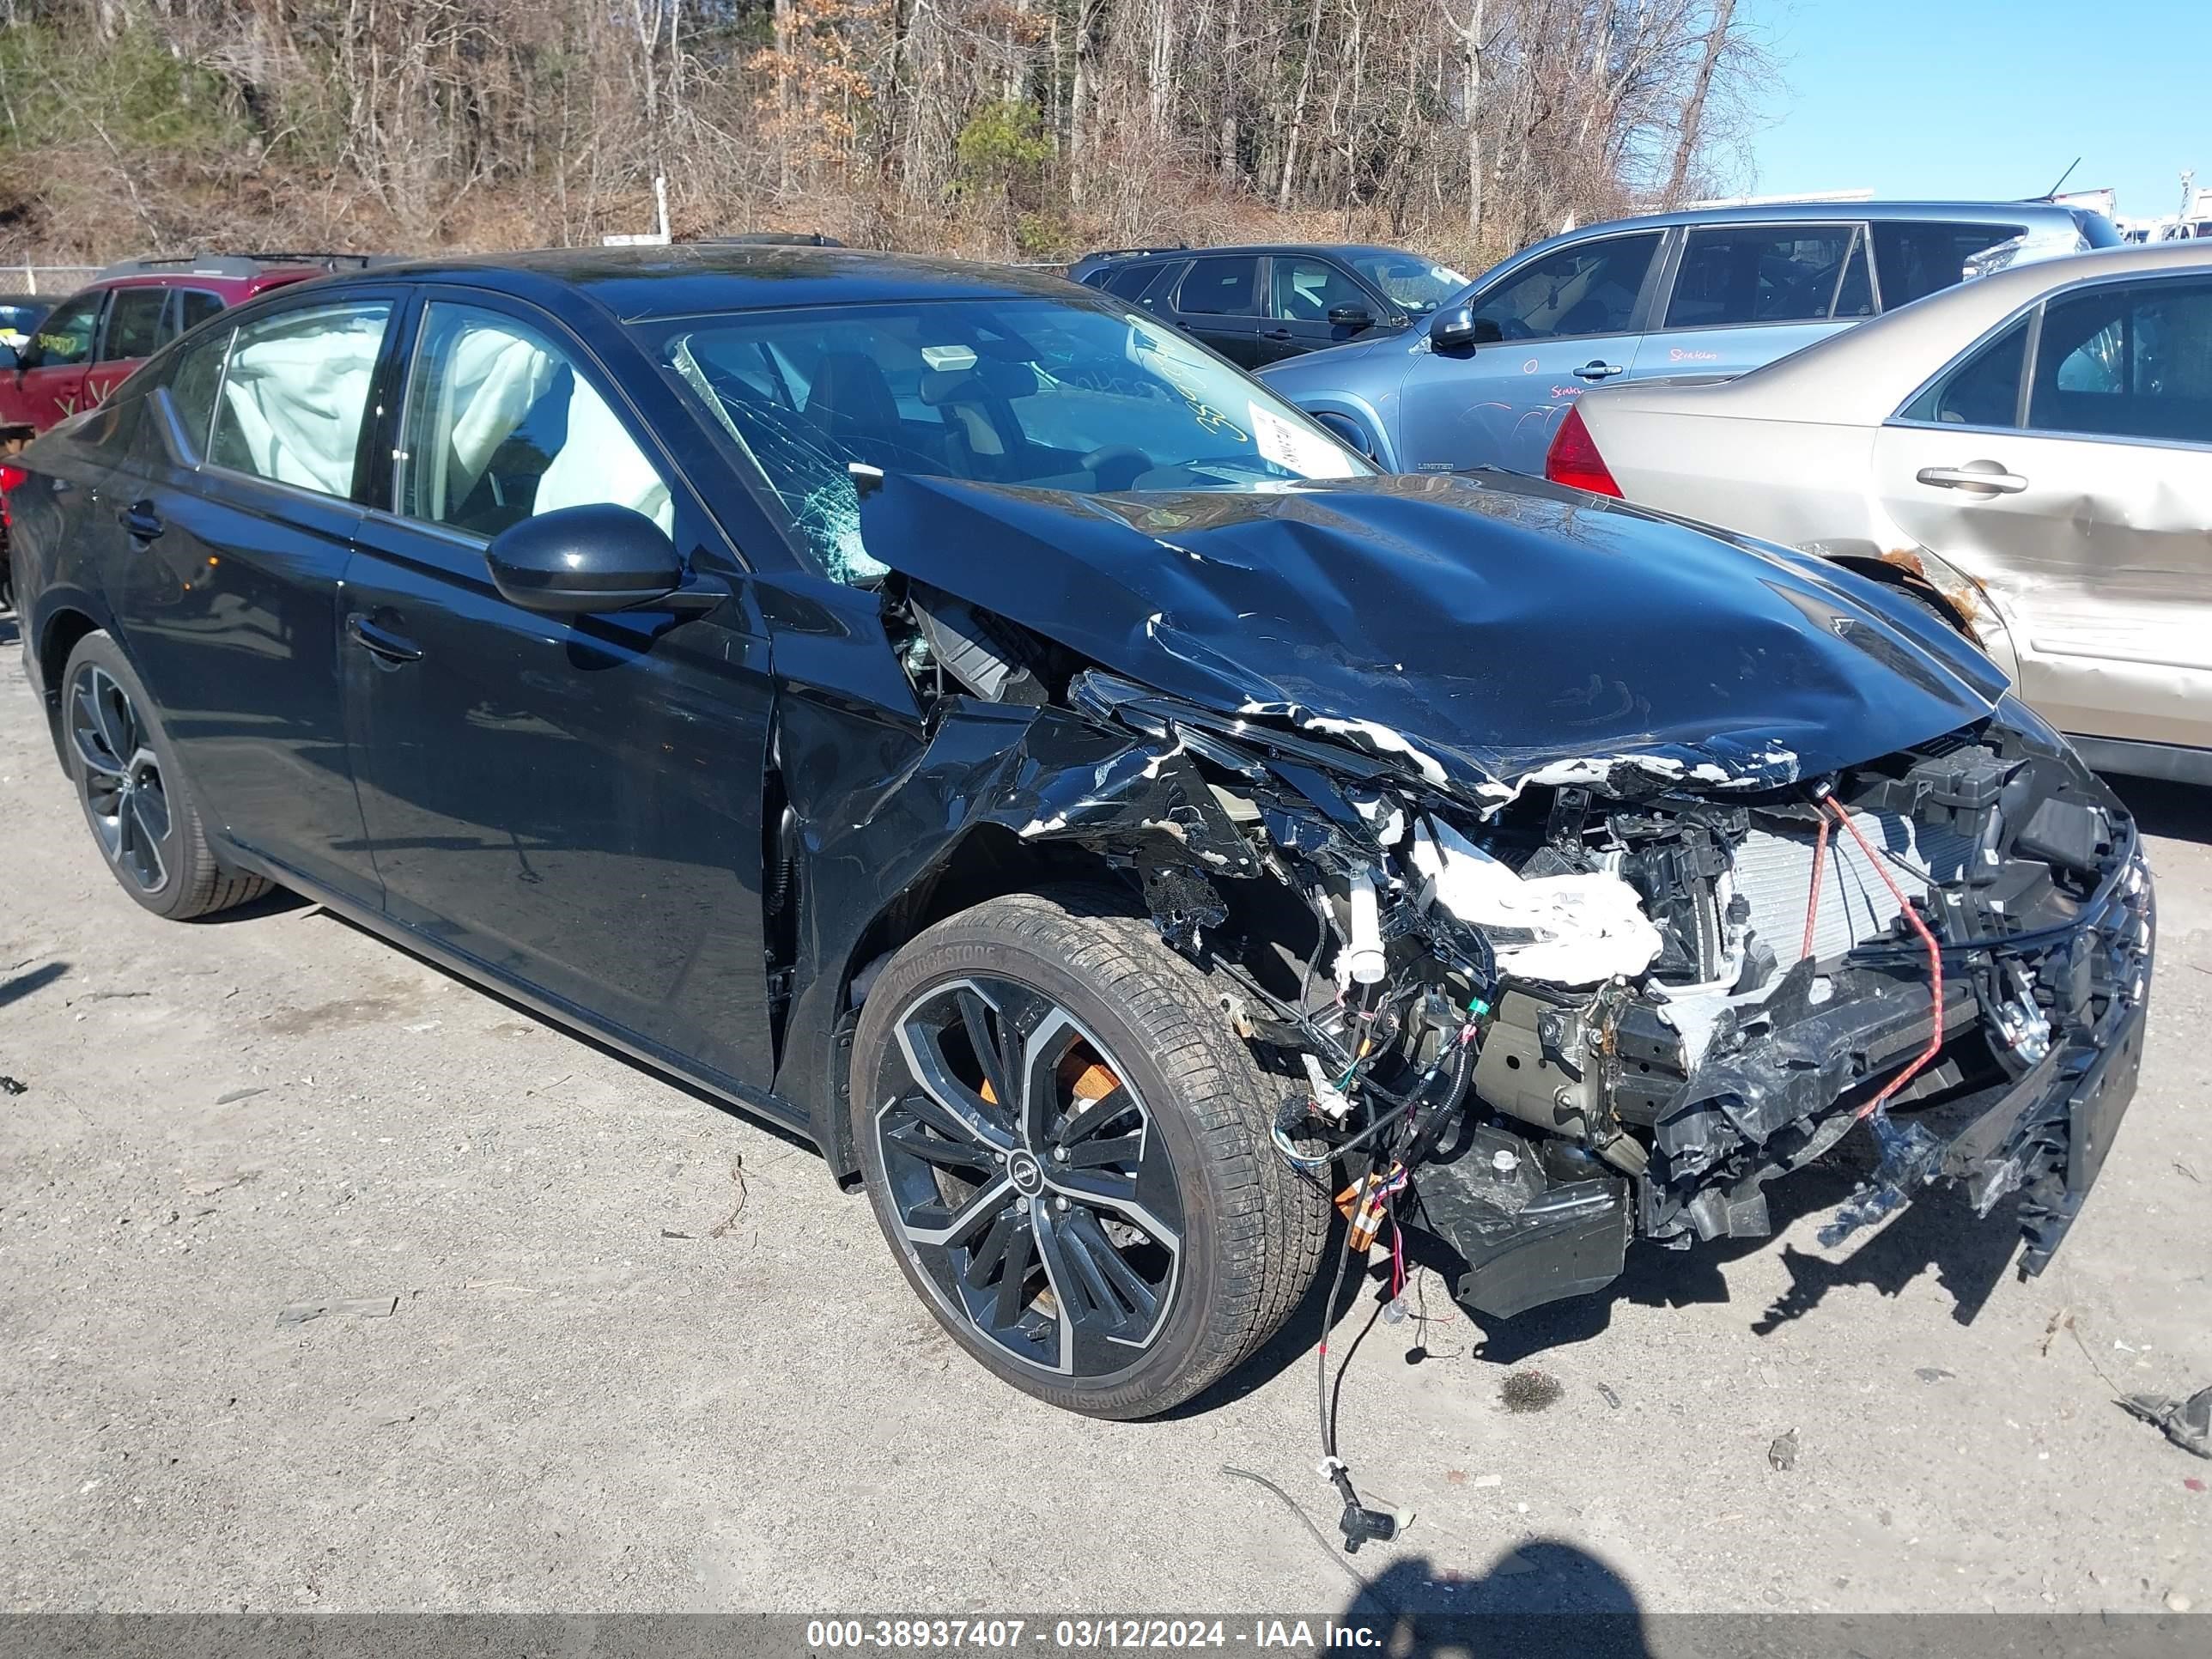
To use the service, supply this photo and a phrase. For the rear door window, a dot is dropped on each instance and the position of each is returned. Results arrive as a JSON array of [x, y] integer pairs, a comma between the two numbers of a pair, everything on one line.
[[1912, 259], [195, 307], [1221, 287], [2131, 361], [1588, 289], [1983, 390], [134, 323], [295, 392], [1736, 276]]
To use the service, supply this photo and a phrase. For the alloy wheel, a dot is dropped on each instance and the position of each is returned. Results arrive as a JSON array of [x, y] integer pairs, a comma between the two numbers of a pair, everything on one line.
[[124, 796], [1027, 1178]]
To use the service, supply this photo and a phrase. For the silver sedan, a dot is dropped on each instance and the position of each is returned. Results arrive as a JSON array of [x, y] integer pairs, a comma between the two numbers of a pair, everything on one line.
[[2029, 455]]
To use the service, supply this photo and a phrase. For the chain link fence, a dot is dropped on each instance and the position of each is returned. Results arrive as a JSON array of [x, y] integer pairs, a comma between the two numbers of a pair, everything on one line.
[[52, 280]]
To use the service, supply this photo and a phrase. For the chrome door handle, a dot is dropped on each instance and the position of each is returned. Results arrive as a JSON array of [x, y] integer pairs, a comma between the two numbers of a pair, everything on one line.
[[1594, 370], [1995, 480]]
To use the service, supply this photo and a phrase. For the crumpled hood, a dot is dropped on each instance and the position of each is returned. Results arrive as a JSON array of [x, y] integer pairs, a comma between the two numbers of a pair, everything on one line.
[[1474, 631]]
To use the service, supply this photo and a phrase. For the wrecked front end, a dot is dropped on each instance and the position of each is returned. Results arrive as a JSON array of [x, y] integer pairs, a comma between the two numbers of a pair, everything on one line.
[[1547, 1001], [1621, 1002]]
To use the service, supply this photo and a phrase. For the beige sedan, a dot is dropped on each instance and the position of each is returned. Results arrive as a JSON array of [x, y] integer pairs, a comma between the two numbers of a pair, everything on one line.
[[2029, 454]]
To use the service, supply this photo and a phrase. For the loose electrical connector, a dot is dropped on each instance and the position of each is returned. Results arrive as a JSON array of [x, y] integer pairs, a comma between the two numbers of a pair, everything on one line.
[[1359, 1523], [1366, 1216]]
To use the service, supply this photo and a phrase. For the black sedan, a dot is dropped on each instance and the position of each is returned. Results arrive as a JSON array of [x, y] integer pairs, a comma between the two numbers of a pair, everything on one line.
[[987, 734], [1260, 304]]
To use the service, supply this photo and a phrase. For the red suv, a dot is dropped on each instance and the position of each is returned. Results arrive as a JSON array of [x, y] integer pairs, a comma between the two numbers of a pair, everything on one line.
[[90, 341]]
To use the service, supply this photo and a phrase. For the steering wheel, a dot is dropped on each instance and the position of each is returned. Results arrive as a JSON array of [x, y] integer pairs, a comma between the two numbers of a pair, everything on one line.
[[1128, 462]]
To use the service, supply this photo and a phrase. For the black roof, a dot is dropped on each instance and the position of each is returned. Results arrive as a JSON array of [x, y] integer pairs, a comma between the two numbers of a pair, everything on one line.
[[642, 283]]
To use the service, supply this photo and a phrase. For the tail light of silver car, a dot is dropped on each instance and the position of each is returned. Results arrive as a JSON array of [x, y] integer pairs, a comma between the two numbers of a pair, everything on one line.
[[1573, 458]]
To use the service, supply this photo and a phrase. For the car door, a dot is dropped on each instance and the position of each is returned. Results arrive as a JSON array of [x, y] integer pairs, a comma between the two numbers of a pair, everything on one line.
[[1547, 329], [233, 536], [133, 330], [575, 802], [48, 385], [1742, 296], [1312, 303], [2067, 465], [1219, 301], [141, 320]]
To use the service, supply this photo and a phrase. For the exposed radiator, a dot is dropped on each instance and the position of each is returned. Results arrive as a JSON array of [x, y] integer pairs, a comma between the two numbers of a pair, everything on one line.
[[1774, 873]]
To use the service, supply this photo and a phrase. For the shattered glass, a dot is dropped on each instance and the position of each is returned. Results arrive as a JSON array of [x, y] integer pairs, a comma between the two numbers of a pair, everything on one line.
[[1035, 393]]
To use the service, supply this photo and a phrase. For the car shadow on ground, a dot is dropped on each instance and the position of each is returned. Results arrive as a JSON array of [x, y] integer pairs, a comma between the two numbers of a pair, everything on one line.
[[1540, 1598], [1969, 1253], [11, 631]]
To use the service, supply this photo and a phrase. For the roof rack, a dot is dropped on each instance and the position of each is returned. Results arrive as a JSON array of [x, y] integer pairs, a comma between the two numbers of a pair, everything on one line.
[[238, 264], [1126, 252], [773, 239]]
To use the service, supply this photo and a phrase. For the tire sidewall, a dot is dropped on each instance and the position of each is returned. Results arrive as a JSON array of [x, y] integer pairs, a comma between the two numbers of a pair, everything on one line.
[[953, 951], [100, 650]]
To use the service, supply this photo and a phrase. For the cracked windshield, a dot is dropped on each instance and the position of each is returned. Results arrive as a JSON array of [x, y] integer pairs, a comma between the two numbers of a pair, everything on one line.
[[1036, 394]]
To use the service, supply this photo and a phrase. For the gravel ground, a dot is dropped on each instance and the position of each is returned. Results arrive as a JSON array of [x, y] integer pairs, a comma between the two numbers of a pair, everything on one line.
[[569, 1362]]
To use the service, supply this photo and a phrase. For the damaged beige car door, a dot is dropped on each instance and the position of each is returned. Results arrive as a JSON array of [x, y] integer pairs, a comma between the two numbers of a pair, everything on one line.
[[2066, 465]]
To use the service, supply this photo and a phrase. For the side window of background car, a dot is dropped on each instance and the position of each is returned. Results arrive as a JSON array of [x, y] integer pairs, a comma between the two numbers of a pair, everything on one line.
[[294, 392], [1220, 287], [194, 307], [501, 426], [1305, 289], [1983, 390], [66, 335], [1128, 281], [2131, 362], [134, 323], [1745, 274], [1589, 288], [1913, 258]]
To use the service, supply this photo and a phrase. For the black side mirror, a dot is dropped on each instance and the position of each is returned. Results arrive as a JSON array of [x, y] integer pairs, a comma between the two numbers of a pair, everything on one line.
[[1350, 317], [576, 560]]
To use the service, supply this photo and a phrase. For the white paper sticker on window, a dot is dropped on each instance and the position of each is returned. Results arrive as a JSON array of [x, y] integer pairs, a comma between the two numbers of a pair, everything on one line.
[[1306, 453]]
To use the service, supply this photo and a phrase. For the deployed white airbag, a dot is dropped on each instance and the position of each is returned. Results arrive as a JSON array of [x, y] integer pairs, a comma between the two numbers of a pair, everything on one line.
[[1583, 928], [493, 381], [295, 401], [599, 463]]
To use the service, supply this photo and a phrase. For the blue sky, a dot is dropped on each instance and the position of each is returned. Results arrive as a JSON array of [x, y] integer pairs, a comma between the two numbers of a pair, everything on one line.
[[1987, 98]]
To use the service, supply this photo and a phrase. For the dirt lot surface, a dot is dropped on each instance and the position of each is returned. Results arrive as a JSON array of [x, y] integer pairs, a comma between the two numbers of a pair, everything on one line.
[[569, 1362]]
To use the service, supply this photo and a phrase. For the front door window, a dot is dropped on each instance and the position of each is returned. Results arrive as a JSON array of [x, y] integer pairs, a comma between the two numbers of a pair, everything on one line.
[[501, 426]]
